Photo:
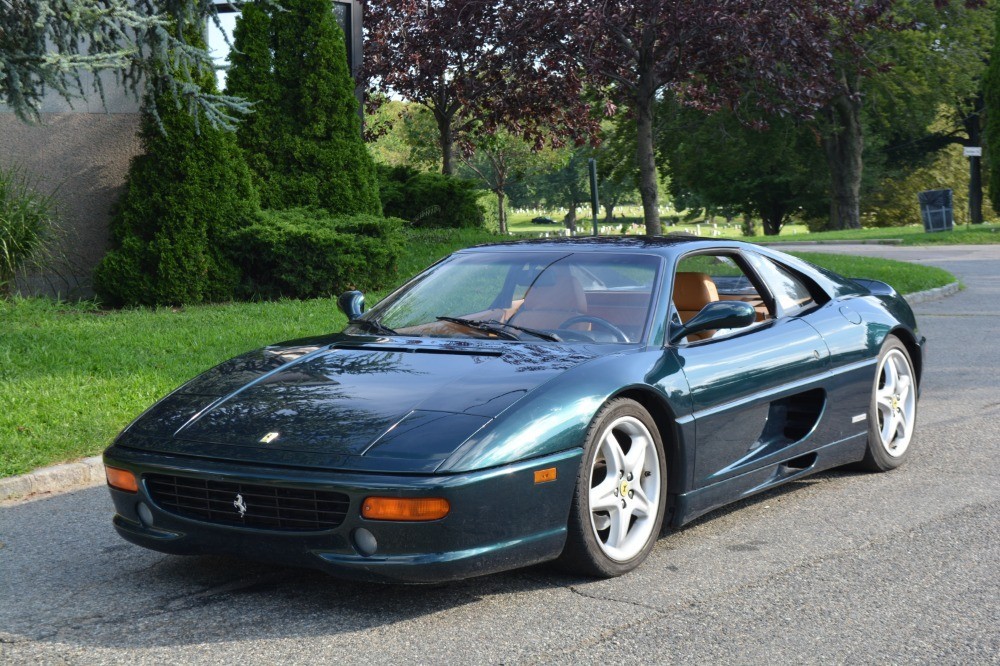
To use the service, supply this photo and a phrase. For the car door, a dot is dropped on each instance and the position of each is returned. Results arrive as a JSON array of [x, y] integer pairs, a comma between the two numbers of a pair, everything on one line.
[[753, 391]]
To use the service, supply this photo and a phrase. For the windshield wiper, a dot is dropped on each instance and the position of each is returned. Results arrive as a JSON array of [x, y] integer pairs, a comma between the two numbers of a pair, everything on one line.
[[544, 335], [373, 325], [481, 326], [497, 328]]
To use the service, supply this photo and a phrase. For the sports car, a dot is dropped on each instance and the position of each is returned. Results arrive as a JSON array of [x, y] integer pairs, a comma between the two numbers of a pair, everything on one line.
[[536, 400]]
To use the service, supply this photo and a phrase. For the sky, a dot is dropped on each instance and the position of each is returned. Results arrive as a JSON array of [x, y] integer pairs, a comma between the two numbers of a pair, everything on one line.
[[217, 43]]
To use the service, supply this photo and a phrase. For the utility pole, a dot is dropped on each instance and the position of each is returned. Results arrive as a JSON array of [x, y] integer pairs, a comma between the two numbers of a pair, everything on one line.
[[595, 204]]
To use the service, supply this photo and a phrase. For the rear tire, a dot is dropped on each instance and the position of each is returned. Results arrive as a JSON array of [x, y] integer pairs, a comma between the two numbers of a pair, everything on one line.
[[893, 412], [620, 494]]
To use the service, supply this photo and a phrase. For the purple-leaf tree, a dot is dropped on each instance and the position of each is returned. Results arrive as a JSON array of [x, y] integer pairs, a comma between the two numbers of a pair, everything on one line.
[[711, 54], [476, 64]]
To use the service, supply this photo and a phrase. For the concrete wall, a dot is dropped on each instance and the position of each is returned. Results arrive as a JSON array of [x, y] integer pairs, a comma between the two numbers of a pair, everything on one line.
[[81, 155]]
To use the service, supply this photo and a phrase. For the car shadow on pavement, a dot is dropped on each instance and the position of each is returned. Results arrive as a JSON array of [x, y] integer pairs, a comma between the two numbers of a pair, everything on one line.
[[75, 581], [88, 588]]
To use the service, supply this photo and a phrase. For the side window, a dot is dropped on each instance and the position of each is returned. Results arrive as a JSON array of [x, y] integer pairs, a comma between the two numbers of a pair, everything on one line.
[[791, 292], [704, 278]]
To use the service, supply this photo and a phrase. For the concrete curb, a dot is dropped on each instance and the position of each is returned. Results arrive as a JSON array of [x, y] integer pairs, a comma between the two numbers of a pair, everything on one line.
[[933, 294], [55, 479], [90, 471]]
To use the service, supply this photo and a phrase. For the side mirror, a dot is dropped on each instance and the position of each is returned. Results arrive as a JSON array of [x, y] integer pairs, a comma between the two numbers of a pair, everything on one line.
[[718, 314], [352, 304]]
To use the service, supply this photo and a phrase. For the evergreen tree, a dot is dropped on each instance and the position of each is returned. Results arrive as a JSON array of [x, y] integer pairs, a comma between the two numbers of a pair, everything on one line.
[[250, 73], [188, 189], [46, 44], [306, 147], [991, 94]]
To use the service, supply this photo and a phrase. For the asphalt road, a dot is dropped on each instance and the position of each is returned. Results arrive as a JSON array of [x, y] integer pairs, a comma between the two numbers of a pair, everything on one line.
[[843, 568]]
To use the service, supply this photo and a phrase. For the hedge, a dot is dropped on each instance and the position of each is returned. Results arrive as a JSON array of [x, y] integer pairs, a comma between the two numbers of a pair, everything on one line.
[[301, 253]]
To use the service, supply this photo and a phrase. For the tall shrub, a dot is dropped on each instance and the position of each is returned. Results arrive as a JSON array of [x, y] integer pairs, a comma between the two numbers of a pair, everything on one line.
[[187, 190], [249, 76], [306, 149], [26, 219], [301, 253], [430, 199]]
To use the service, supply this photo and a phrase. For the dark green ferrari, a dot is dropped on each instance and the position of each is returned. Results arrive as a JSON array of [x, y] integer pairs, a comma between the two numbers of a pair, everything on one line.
[[525, 402]]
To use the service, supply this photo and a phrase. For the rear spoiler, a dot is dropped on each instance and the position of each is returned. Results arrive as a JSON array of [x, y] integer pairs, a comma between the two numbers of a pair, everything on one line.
[[875, 286]]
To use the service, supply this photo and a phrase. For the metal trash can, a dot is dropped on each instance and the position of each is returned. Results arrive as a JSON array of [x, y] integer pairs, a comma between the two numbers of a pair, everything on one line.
[[937, 209]]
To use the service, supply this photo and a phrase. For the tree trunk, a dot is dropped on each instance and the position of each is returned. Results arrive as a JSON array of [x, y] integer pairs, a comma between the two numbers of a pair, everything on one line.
[[772, 217], [570, 219], [447, 141], [645, 154], [844, 145], [501, 211], [609, 213]]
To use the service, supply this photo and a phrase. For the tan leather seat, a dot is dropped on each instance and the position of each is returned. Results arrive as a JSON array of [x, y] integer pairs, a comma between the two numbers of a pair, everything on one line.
[[692, 292], [554, 297]]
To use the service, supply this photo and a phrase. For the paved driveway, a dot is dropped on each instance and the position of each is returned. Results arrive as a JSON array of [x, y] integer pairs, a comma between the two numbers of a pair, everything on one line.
[[844, 567]]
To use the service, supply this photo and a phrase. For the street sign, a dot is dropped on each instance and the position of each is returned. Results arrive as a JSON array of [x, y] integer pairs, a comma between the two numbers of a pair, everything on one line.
[[973, 151]]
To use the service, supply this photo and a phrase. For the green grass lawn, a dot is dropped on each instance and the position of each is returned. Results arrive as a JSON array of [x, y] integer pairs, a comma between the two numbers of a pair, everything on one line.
[[980, 234], [905, 277], [520, 223], [72, 376]]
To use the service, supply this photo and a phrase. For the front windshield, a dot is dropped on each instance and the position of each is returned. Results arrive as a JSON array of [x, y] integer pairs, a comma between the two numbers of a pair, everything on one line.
[[584, 297]]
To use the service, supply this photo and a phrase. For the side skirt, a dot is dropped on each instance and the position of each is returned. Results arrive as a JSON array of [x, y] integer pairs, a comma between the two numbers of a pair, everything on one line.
[[691, 505]]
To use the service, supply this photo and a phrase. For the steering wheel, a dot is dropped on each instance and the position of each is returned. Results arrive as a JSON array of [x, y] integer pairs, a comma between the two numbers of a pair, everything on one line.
[[618, 333]]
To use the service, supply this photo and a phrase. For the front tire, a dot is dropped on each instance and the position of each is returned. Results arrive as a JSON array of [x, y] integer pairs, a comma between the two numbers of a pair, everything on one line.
[[620, 495], [893, 412]]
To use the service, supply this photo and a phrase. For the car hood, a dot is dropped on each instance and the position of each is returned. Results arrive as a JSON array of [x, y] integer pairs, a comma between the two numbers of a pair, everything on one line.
[[373, 404]]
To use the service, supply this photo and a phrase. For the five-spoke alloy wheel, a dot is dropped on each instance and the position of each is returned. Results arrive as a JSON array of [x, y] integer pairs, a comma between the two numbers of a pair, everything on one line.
[[620, 494], [893, 410]]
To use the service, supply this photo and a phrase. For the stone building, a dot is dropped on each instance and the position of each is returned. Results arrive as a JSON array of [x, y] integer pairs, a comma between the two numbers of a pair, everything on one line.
[[80, 152]]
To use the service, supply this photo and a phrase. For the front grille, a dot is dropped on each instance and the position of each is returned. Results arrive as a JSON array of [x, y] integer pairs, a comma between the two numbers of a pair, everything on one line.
[[266, 507]]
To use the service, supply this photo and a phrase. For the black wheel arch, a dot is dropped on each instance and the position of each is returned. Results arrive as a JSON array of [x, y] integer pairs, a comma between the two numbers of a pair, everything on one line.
[[912, 348]]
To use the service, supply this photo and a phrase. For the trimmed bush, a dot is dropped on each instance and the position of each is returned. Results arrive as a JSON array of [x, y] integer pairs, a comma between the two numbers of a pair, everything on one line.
[[430, 199], [304, 142], [188, 189], [300, 253]]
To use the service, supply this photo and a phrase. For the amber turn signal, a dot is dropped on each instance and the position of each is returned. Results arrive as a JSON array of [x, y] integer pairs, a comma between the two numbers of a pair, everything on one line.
[[543, 475], [405, 508], [121, 479]]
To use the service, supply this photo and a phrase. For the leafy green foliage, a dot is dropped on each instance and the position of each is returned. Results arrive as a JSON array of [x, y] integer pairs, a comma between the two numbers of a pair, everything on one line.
[[718, 161], [26, 219], [991, 93], [300, 253], [46, 44], [188, 189], [430, 199], [895, 203], [937, 62], [304, 144]]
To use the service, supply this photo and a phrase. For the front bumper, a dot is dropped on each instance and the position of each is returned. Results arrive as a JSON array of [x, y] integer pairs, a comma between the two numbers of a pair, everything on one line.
[[500, 518]]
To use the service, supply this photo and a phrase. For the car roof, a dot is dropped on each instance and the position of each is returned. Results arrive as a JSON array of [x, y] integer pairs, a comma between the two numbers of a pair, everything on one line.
[[669, 244]]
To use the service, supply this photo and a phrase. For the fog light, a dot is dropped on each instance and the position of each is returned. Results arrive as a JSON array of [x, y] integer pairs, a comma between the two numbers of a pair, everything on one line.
[[145, 515], [365, 541]]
